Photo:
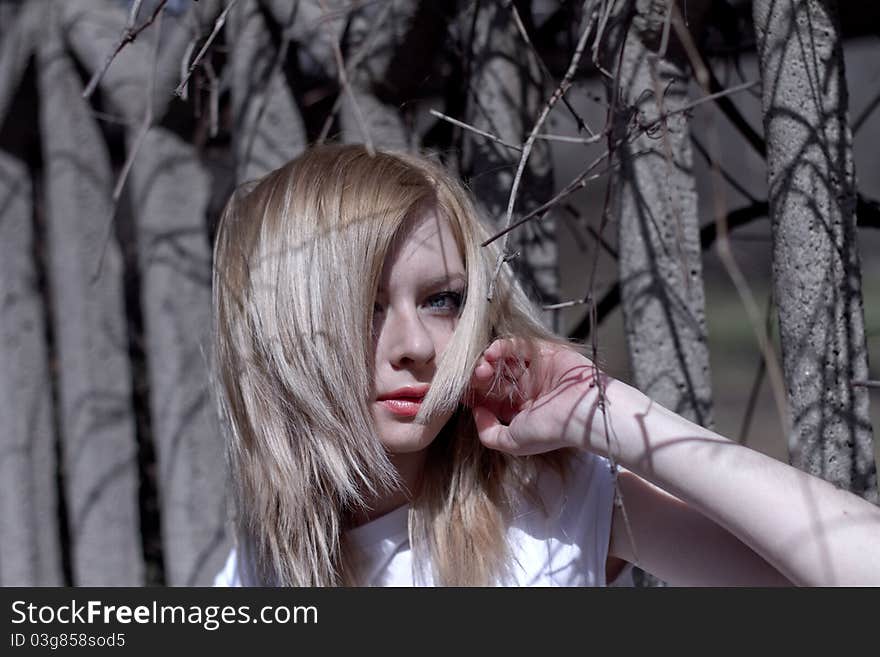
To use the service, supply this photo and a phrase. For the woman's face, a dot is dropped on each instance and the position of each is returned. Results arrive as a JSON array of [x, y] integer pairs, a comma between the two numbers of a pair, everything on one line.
[[420, 292]]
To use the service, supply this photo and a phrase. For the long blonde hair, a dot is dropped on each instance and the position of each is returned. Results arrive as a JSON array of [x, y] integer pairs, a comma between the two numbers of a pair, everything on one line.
[[297, 259]]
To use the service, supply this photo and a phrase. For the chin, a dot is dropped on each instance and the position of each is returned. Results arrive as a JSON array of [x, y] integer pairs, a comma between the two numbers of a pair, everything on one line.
[[407, 438], [403, 435]]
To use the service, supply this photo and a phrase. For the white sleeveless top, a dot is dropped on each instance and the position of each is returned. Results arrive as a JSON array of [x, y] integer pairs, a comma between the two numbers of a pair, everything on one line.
[[565, 543]]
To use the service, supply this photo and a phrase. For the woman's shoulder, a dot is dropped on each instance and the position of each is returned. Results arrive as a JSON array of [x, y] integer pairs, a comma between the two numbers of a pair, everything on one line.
[[560, 530], [575, 476], [228, 575], [236, 570]]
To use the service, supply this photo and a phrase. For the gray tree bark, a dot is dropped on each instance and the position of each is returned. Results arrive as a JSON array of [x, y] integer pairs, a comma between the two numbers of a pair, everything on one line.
[[816, 269], [17, 45], [505, 97], [99, 447], [375, 32], [92, 28], [30, 548], [654, 202], [268, 130], [170, 192]]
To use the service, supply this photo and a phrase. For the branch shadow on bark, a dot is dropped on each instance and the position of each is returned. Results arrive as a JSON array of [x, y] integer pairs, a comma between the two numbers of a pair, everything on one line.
[[816, 268]]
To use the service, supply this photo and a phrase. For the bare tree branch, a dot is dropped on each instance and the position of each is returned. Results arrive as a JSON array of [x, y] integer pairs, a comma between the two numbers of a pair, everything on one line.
[[523, 160], [218, 25], [579, 120], [346, 87], [466, 126], [133, 151], [129, 34]]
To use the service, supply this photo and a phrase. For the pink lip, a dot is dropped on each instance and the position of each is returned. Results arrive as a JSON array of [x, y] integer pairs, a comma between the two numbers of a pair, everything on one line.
[[402, 407], [404, 402]]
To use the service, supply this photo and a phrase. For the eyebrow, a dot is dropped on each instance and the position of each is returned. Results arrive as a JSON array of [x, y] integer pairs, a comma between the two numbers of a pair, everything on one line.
[[445, 279], [440, 281]]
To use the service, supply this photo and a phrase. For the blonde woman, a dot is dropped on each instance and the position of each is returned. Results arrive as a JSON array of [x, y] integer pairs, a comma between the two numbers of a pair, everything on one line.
[[388, 424]]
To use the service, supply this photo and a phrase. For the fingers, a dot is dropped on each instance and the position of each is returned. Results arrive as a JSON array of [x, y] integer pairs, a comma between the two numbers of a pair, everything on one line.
[[508, 349], [497, 383], [507, 358], [500, 378], [493, 434]]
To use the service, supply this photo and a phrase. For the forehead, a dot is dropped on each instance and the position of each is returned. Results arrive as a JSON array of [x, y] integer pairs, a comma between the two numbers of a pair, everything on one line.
[[426, 244]]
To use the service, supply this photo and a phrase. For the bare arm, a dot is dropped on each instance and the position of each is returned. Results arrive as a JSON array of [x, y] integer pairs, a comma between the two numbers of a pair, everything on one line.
[[805, 528], [739, 514], [673, 541]]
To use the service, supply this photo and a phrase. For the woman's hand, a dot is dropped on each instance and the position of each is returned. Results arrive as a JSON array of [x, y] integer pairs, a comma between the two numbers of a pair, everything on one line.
[[528, 401]]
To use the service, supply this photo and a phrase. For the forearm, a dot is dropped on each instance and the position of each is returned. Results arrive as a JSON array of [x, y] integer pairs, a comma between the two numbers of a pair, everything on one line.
[[811, 532], [678, 544]]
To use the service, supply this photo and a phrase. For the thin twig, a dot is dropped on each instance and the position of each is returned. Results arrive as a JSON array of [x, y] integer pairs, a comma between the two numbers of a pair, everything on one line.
[[579, 120], [579, 181], [867, 384], [262, 99], [759, 378], [568, 304], [129, 161], [708, 236], [347, 88], [129, 34], [213, 99], [700, 101], [352, 65], [527, 148], [667, 23], [110, 118], [467, 126], [602, 242], [600, 31], [132, 154], [614, 141], [184, 65], [218, 25], [732, 113], [572, 140], [133, 13]]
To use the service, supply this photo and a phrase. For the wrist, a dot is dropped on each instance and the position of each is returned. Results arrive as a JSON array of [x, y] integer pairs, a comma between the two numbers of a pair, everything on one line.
[[604, 405], [638, 433], [620, 422]]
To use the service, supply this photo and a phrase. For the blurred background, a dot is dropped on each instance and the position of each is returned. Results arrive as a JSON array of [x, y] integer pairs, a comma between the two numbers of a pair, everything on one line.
[[125, 126]]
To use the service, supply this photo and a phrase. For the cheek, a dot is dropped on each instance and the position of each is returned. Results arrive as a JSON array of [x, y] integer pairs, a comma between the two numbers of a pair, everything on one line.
[[442, 333]]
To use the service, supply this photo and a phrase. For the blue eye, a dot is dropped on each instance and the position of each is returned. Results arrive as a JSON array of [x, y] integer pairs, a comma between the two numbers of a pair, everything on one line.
[[447, 301]]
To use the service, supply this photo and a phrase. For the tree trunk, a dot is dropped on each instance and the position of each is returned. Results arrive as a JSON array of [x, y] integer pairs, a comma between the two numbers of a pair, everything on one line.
[[816, 270], [654, 202], [375, 33], [170, 195], [93, 27], [369, 35], [30, 546], [17, 45], [98, 428], [268, 129], [505, 96]]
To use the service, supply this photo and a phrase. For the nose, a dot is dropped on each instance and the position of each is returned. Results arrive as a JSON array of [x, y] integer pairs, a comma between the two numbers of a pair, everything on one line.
[[406, 340]]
